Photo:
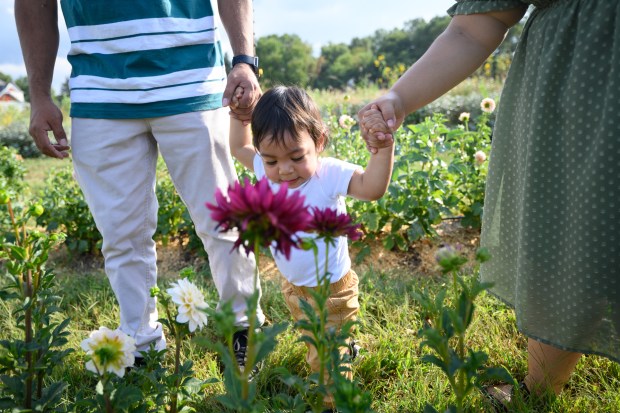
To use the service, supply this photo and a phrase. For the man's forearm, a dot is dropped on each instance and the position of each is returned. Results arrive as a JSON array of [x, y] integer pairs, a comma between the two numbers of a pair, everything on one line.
[[37, 26], [238, 20]]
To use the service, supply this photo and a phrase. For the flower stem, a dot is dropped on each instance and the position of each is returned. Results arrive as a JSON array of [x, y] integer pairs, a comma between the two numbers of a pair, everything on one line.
[[106, 395], [250, 350], [28, 339], [177, 379]]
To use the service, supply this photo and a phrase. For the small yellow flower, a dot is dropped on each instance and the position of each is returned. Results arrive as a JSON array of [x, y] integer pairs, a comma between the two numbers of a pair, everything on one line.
[[109, 351], [487, 105], [487, 69]]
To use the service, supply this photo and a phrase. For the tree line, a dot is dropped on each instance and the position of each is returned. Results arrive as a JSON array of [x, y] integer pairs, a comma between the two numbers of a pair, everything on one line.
[[377, 59]]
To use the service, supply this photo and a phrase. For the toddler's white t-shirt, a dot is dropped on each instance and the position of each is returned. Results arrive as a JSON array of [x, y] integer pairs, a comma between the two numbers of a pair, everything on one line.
[[325, 189]]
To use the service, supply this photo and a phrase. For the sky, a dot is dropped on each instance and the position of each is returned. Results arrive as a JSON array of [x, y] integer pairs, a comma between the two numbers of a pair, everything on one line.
[[317, 23]]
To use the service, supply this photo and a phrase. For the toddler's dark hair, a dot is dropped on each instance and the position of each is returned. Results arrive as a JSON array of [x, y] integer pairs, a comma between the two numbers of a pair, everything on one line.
[[285, 109]]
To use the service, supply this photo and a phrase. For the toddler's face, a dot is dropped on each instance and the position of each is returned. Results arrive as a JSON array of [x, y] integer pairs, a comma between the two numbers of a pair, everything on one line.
[[293, 163]]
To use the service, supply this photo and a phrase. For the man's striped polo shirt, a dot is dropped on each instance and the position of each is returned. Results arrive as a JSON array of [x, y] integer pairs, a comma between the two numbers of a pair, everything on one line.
[[143, 58]]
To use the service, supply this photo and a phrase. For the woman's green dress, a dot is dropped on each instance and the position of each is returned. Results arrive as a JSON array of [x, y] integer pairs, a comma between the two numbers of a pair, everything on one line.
[[552, 210]]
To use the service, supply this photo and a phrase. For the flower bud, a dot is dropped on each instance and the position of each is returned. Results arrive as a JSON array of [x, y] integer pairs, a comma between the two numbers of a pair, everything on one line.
[[449, 258], [480, 157], [37, 210], [483, 255]]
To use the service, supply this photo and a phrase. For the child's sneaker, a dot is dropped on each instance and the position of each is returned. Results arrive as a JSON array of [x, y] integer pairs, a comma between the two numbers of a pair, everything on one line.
[[240, 347], [354, 349]]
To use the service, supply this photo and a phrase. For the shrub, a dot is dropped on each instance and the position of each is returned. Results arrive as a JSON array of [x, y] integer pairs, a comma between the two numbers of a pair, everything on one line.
[[66, 210], [170, 215], [12, 169], [12, 172], [16, 136]]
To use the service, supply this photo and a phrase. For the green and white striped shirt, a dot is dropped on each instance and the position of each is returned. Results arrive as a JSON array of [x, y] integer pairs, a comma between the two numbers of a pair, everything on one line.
[[143, 58]]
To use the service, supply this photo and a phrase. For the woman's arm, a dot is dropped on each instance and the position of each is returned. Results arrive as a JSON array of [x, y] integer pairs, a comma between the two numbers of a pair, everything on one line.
[[455, 54]]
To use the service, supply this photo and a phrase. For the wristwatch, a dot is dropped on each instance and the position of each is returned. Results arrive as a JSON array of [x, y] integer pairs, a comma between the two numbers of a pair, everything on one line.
[[250, 60]]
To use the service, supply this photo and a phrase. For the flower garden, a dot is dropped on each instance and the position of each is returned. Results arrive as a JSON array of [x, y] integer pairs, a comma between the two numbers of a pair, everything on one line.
[[429, 335]]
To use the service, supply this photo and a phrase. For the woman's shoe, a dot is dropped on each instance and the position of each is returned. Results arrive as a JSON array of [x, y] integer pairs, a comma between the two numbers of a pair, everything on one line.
[[500, 396]]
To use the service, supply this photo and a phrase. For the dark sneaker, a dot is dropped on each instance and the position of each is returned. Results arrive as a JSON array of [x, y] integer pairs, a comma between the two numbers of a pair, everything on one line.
[[354, 349], [138, 363], [240, 347]]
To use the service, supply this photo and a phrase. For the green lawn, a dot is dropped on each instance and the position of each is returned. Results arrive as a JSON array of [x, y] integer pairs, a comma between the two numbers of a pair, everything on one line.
[[389, 367]]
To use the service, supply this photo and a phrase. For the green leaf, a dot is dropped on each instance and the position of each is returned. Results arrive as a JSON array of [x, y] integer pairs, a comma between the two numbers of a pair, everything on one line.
[[429, 409], [388, 242], [18, 253], [363, 252], [370, 221]]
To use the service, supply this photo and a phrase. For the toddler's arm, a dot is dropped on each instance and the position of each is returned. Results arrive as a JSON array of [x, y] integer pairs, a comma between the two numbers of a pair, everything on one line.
[[371, 184], [240, 137]]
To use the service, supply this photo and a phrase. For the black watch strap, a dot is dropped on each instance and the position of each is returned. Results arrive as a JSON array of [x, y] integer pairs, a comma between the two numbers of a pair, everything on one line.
[[250, 60]]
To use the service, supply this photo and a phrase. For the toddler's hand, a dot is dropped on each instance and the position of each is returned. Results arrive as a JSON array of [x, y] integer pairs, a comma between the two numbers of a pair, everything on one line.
[[374, 123], [375, 130], [237, 94]]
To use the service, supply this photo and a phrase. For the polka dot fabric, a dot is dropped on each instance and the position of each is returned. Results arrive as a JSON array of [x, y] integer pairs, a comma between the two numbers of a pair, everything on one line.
[[551, 219]]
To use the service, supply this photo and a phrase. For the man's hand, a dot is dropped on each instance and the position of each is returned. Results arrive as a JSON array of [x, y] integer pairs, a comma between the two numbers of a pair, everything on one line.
[[242, 76], [45, 116]]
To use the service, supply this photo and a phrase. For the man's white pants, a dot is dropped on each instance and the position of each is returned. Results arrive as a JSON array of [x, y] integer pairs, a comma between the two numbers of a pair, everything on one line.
[[115, 161]]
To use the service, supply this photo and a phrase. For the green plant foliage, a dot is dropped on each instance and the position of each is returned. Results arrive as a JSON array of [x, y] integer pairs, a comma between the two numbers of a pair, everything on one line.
[[12, 184], [448, 316], [66, 210], [12, 170], [436, 175], [171, 212], [467, 170], [16, 136], [27, 360]]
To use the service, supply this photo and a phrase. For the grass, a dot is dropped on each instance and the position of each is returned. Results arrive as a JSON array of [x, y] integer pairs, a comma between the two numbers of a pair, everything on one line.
[[389, 367], [37, 170]]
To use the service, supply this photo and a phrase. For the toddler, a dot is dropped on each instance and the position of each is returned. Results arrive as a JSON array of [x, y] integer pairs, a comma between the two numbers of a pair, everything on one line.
[[284, 143]]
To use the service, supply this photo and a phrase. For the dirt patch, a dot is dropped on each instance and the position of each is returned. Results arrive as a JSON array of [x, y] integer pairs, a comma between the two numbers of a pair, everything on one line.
[[419, 258]]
